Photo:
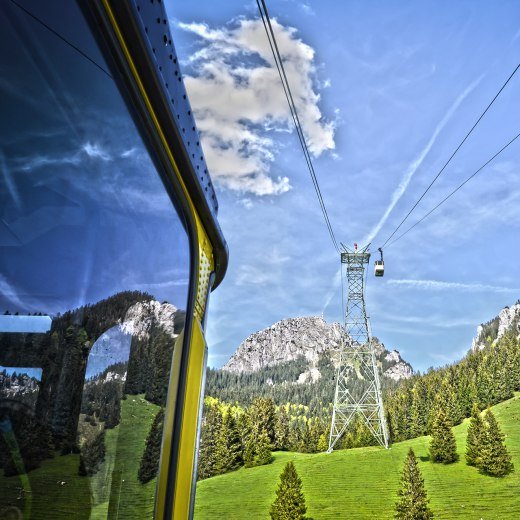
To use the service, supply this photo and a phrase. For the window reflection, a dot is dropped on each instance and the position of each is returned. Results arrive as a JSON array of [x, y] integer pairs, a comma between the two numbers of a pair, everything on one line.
[[94, 271]]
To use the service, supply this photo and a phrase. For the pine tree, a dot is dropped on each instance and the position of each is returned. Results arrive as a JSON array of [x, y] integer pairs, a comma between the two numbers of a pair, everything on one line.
[[323, 442], [209, 435], [295, 436], [443, 447], [306, 444], [363, 435], [495, 459], [413, 502], [249, 452], [290, 502], [228, 453], [92, 455], [263, 449], [446, 399], [474, 437], [262, 414], [281, 432], [257, 449], [419, 414]]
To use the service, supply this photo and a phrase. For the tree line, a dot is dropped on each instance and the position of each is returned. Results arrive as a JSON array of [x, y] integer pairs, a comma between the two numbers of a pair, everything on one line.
[[431, 403], [485, 377], [235, 436]]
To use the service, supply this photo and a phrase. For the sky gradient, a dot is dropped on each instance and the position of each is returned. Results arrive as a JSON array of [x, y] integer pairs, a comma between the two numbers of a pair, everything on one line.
[[386, 92]]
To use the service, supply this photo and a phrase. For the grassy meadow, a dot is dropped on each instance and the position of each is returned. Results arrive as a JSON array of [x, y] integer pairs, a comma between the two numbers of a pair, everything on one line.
[[56, 491], [363, 482], [358, 483]]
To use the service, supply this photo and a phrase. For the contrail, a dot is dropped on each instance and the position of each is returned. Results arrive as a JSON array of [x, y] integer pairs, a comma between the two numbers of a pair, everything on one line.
[[437, 285], [412, 168], [336, 282]]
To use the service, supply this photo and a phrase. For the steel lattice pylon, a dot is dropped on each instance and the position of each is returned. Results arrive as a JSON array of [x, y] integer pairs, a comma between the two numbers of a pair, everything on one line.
[[357, 356]]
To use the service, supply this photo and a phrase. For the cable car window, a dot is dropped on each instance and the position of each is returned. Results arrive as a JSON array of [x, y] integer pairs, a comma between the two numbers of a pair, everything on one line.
[[94, 279]]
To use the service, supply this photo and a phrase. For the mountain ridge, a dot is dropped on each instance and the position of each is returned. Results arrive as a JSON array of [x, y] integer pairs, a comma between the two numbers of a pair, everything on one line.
[[308, 337]]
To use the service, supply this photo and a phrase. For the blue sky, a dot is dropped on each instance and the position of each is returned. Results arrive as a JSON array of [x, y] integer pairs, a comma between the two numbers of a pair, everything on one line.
[[83, 213], [386, 91]]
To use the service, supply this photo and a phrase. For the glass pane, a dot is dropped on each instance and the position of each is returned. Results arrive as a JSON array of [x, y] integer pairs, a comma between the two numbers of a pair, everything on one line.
[[94, 274]]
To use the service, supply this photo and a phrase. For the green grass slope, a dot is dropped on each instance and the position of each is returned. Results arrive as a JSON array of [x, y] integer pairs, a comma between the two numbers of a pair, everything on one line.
[[40, 494], [363, 483]]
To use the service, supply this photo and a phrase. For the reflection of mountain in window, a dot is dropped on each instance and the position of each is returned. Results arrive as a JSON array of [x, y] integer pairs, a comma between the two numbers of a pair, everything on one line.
[[19, 385]]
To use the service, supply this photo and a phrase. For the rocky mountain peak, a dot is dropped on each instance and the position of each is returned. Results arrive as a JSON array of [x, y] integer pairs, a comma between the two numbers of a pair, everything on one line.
[[285, 341], [304, 337], [507, 320], [142, 316]]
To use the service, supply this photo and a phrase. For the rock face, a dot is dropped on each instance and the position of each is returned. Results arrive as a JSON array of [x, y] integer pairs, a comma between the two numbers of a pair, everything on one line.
[[308, 337], [309, 376], [284, 341], [401, 370], [20, 387], [507, 320], [142, 316]]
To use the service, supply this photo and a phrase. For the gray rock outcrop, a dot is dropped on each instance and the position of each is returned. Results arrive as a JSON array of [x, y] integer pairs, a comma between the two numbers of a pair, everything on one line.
[[507, 320], [307, 337]]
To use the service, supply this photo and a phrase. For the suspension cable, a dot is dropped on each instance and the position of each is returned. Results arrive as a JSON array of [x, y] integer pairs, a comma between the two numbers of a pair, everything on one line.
[[266, 21], [452, 155], [456, 189], [62, 38]]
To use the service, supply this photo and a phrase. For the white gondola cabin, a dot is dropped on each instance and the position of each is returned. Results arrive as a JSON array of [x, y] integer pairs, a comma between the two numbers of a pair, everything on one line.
[[379, 266]]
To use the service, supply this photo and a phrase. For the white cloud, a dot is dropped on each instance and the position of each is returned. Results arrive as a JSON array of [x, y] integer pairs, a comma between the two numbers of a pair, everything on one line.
[[246, 202], [91, 150], [38, 161], [304, 6], [473, 210], [129, 153], [111, 172], [11, 295], [9, 181], [267, 270], [238, 100], [416, 163], [95, 151], [436, 285]]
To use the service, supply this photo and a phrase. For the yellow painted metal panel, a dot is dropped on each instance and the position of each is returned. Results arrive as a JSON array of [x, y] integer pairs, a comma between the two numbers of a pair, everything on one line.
[[188, 438], [196, 344], [169, 417]]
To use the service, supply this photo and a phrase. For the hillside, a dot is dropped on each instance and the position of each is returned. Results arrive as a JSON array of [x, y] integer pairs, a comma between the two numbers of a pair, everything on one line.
[[362, 483], [56, 488], [294, 361], [78, 435]]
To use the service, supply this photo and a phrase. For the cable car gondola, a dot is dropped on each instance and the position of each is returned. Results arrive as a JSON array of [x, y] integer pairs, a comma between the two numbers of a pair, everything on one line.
[[379, 267]]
